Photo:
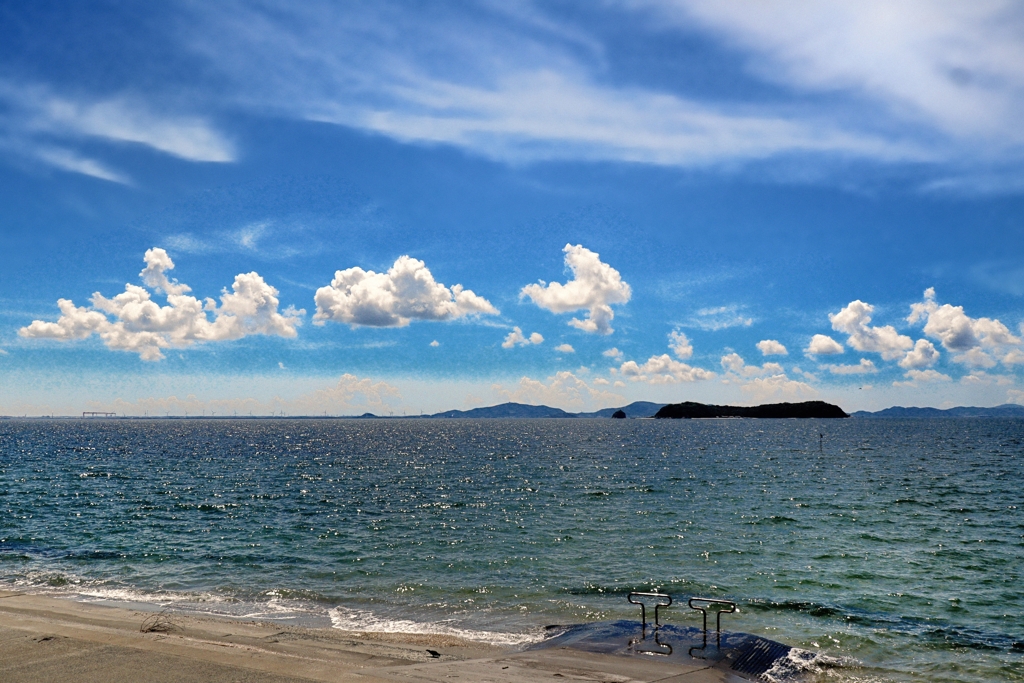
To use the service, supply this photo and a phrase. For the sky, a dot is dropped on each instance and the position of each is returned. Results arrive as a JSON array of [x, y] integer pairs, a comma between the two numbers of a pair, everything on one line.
[[409, 207]]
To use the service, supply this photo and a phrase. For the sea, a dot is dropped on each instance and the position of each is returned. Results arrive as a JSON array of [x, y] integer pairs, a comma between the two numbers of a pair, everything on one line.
[[883, 549]]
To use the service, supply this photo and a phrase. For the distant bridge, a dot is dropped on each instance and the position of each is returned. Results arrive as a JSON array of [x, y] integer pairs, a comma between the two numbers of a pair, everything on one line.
[[97, 413]]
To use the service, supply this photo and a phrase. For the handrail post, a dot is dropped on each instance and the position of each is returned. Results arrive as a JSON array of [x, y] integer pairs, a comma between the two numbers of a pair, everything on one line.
[[708, 602]]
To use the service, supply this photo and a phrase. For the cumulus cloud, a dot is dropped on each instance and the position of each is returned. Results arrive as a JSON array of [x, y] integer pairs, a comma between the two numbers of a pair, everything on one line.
[[865, 366], [771, 347], [764, 381], [972, 340], [612, 353], [853, 321], [823, 345], [565, 348], [923, 355], [595, 286], [1013, 357], [1015, 396], [975, 358], [663, 369], [435, 343], [563, 389], [132, 321], [680, 345], [734, 363], [983, 378], [917, 377], [407, 291], [517, 338]]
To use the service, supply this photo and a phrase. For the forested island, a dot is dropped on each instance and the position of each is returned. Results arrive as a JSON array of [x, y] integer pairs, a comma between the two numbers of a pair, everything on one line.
[[689, 409]]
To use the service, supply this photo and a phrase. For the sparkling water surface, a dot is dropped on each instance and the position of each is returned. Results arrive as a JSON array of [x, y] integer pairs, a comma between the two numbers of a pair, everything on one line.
[[893, 547]]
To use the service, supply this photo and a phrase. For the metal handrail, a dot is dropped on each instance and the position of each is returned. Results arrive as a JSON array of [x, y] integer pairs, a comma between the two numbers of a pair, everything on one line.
[[643, 622], [718, 618], [643, 609]]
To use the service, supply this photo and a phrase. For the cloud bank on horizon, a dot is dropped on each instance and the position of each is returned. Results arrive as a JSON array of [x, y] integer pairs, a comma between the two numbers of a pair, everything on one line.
[[132, 321], [750, 197]]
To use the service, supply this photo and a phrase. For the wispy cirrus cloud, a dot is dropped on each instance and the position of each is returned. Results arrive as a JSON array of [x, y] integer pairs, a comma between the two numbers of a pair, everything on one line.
[[49, 127], [957, 68], [511, 86]]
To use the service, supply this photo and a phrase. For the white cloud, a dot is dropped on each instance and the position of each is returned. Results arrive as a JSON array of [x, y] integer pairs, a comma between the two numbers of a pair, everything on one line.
[[809, 376], [1015, 396], [563, 390], [407, 291], [189, 138], [734, 363], [663, 369], [720, 318], [36, 117], [975, 358], [954, 67], [68, 160], [595, 287], [142, 326], [763, 382], [680, 345], [1013, 357], [923, 355], [922, 377], [565, 348], [517, 338], [983, 378], [771, 347], [853, 321], [601, 381], [823, 345], [973, 340], [613, 353], [778, 387], [865, 366], [348, 393], [435, 344]]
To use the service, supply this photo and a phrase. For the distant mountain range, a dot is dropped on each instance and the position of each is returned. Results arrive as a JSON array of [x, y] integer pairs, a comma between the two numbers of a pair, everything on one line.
[[648, 409], [1005, 410], [635, 409]]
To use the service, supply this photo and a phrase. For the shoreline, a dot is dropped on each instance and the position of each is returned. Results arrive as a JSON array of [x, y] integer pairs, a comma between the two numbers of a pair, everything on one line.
[[45, 638]]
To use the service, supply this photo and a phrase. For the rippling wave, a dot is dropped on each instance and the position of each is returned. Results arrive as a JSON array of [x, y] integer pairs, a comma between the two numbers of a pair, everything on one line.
[[893, 553]]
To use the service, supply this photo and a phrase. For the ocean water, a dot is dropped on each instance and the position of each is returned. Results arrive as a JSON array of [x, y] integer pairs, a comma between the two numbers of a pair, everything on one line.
[[889, 550]]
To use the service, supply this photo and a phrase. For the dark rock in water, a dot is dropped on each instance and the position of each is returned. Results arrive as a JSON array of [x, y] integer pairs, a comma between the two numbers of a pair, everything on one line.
[[689, 409], [619, 415]]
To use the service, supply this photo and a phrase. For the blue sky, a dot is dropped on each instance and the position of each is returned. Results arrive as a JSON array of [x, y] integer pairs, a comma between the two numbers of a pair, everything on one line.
[[404, 207]]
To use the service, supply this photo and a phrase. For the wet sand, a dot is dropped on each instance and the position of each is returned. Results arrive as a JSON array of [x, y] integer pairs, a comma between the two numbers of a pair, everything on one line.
[[48, 639]]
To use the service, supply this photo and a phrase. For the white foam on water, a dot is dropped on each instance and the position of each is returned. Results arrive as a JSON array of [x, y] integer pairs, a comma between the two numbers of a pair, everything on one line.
[[798, 663], [363, 620]]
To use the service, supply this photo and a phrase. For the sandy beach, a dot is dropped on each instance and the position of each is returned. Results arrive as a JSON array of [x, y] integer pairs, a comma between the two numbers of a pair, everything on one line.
[[49, 639]]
